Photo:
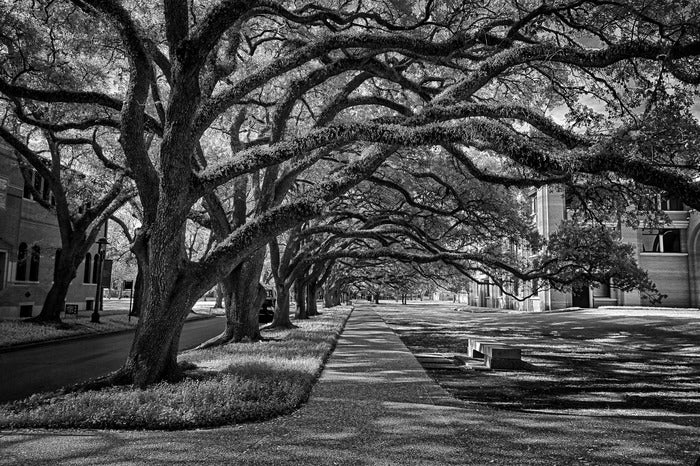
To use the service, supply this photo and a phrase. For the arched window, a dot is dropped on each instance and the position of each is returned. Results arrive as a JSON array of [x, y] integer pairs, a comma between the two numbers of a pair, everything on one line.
[[21, 274], [88, 268], [95, 268], [34, 264]]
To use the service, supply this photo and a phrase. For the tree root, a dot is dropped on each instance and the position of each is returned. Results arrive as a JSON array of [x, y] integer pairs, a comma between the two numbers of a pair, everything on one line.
[[38, 319], [117, 378], [219, 340], [274, 326]]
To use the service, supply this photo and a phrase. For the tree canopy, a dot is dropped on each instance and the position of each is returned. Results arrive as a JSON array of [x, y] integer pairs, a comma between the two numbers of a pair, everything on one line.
[[196, 95]]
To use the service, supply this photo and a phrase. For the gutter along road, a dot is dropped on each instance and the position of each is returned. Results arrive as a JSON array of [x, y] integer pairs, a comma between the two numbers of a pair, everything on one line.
[[55, 365]]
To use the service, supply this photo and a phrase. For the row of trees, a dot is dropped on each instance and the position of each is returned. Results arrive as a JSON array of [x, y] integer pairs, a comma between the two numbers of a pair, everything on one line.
[[339, 133]]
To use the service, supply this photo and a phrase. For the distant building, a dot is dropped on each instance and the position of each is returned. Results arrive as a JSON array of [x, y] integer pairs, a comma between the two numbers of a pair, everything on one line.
[[670, 254], [29, 242]]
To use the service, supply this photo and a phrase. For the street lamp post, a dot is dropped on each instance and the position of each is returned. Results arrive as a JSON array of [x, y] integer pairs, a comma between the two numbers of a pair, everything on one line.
[[101, 251]]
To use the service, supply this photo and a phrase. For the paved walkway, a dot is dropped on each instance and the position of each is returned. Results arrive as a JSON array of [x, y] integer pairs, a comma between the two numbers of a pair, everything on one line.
[[374, 404]]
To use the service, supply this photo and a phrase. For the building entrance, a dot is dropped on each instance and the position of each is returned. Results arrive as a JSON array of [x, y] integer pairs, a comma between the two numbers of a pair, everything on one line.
[[581, 297]]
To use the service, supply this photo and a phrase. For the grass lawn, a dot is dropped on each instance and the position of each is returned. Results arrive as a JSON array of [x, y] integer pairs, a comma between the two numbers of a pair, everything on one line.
[[113, 318], [16, 332], [226, 385], [598, 378]]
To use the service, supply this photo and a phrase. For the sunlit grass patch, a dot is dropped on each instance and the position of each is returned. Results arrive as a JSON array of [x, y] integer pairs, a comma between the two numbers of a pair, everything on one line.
[[228, 385], [16, 332]]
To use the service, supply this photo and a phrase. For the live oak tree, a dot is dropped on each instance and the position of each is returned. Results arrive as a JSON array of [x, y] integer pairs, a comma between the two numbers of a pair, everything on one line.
[[283, 251], [460, 78]]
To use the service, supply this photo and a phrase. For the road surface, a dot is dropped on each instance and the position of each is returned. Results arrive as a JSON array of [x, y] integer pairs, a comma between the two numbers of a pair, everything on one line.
[[49, 367]]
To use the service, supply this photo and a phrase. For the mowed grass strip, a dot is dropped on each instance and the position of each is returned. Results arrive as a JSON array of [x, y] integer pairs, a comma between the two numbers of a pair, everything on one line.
[[227, 385], [17, 332]]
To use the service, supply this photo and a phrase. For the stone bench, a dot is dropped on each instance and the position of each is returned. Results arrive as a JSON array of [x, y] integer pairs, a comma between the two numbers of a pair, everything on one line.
[[495, 355]]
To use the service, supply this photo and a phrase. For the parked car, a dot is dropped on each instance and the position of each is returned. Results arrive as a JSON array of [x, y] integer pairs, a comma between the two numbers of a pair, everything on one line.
[[267, 309]]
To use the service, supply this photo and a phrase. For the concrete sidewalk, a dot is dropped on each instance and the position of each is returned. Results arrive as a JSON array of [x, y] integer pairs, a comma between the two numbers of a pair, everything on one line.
[[374, 404]]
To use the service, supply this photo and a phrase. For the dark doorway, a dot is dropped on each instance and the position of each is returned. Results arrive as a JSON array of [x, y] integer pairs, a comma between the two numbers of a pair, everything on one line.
[[581, 297]]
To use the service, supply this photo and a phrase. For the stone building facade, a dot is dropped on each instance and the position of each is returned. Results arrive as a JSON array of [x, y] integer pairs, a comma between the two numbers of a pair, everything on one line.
[[670, 254]]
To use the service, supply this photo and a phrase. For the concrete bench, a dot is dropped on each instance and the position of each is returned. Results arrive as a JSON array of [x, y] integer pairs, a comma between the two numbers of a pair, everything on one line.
[[496, 355]]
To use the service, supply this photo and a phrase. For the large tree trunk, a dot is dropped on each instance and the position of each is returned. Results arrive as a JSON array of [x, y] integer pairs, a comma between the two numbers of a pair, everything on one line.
[[167, 299], [153, 355], [331, 296], [300, 299], [248, 297], [55, 301], [311, 291], [327, 298], [139, 287], [243, 296], [282, 318]]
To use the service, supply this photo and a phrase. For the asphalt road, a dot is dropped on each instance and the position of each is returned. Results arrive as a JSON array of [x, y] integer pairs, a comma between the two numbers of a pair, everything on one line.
[[49, 367]]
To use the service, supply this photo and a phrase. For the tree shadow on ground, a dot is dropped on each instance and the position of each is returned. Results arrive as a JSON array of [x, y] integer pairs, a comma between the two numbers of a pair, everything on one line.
[[581, 362], [375, 406]]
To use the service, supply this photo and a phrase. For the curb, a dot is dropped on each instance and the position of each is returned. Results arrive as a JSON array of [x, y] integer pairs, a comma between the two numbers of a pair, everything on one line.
[[84, 336]]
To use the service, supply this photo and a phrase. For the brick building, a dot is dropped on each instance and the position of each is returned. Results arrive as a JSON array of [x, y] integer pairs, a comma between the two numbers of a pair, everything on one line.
[[670, 254], [29, 242]]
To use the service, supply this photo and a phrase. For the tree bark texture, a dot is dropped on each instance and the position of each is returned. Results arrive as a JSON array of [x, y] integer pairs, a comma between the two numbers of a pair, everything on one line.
[[167, 299], [65, 271], [248, 296], [300, 299], [311, 291], [55, 301], [282, 317]]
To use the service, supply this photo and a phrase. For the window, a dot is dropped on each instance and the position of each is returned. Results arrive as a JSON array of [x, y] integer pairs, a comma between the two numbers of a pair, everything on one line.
[[21, 272], [34, 264], [27, 191], [41, 186], [661, 240], [671, 203], [95, 269], [532, 206], [88, 268]]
